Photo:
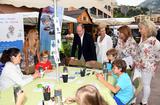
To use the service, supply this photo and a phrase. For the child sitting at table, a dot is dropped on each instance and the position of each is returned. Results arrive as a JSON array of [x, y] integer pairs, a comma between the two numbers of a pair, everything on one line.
[[87, 95], [123, 88], [112, 54], [45, 64]]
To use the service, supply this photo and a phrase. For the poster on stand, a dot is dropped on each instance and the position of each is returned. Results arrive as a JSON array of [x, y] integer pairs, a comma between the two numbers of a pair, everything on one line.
[[12, 31], [50, 39]]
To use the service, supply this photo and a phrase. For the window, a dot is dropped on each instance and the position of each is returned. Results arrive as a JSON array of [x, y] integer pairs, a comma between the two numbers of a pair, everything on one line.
[[93, 10], [158, 19], [105, 6], [105, 15], [109, 8], [85, 18], [100, 12]]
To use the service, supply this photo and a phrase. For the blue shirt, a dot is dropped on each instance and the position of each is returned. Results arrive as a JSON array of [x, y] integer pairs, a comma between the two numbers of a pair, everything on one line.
[[126, 88]]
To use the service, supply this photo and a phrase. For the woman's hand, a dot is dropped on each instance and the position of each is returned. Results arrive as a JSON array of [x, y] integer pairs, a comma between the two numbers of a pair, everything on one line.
[[20, 98], [36, 75]]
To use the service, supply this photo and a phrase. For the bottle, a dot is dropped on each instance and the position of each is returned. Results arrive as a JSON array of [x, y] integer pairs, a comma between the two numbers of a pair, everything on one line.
[[16, 89], [41, 71], [109, 68], [65, 70], [58, 97], [104, 70]]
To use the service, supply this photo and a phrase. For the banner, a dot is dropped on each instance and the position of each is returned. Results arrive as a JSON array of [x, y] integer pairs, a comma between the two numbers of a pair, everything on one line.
[[48, 39], [12, 31]]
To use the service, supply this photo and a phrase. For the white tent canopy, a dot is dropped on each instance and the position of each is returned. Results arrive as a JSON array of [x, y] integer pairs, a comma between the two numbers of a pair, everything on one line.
[[28, 3], [67, 19], [31, 18], [114, 21]]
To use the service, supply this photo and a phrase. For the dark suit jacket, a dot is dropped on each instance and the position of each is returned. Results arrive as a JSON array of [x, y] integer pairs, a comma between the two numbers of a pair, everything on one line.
[[158, 34], [87, 48]]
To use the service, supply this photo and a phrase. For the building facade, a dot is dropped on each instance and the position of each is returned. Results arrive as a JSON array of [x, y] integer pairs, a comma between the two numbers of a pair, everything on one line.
[[96, 8]]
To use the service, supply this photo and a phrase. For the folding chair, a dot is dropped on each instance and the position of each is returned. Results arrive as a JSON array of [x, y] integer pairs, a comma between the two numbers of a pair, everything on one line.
[[138, 86]]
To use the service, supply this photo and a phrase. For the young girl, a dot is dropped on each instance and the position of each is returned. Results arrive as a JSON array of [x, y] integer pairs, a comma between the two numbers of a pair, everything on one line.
[[45, 64], [87, 95]]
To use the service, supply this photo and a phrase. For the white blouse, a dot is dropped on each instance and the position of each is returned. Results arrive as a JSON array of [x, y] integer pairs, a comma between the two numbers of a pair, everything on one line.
[[102, 47], [11, 75]]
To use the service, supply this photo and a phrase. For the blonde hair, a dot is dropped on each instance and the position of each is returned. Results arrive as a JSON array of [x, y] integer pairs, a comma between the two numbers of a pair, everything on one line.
[[102, 27], [150, 25], [89, 95], [31, 38], [31, 41]]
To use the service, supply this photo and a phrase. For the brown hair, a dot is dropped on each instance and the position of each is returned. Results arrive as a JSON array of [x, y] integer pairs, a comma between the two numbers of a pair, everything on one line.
[[112, 52], [44, 53], [89, 95], [126, 31], [121, 64]]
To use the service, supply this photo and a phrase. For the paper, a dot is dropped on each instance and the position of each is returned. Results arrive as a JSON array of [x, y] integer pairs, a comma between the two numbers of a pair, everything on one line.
[[129, 61], [47, 102], [51, 75]]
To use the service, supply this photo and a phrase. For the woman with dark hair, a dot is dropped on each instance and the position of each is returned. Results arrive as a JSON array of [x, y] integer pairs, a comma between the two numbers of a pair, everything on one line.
[[11, 73], [127, 46]]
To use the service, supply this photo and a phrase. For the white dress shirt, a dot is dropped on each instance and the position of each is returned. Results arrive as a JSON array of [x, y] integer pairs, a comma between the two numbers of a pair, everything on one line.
[[82, 39], [11, 75], [82, 57], [102, 47]]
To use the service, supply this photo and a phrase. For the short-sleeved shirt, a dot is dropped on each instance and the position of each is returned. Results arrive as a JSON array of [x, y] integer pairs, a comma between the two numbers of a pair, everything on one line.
[[126, 88], [44, 65]]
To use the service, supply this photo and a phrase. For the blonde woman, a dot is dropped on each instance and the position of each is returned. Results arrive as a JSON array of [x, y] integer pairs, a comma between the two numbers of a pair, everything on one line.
[[31, 51], [148, 56], [104, 43]]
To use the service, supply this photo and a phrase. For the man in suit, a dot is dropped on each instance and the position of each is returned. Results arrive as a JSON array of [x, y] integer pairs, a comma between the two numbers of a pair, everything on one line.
[[85, 43], [158, 34]]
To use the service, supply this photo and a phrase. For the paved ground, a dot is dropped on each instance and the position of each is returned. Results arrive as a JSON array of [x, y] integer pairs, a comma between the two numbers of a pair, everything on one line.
[[155, 90]]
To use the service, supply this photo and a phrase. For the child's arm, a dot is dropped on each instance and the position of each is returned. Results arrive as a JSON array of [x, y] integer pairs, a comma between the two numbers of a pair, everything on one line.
[[50, 65], [108, 85]]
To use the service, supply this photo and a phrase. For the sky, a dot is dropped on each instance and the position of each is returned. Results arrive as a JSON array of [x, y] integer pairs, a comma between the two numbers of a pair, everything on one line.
[[129, 2]]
